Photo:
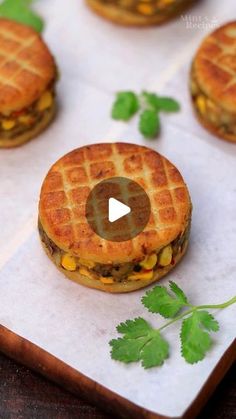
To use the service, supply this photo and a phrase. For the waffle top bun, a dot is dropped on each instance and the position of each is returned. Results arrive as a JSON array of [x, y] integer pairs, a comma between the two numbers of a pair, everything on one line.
[[26, 66], [215, 66], [67, 186]]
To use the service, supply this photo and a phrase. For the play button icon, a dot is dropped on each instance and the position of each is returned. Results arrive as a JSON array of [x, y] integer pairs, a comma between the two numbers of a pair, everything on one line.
[[118, 209]]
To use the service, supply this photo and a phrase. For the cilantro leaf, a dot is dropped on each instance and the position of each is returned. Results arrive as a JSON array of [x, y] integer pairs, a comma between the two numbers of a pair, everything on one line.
[[140, 343], [158, 300], [160, 103], [167, 104], [134, 328], [149, 123], [208, 321], [20, 11], [151, 100], [195, 340], [155, 352], [127, 350], [178, 292], [125, 106]]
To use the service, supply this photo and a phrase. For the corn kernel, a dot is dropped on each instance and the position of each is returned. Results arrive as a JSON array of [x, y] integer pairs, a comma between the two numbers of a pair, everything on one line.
[[141, 275], [166, 256], [149, 262], [45, 101], [87, 263], [68, 262], [85, 272], [106, 280], [25, 119], [145, 9], [8, 124], [201, 104]]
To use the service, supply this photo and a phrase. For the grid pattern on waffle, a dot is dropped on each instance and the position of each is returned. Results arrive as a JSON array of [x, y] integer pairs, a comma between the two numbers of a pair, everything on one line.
[[67, 186], [26, 66], [217, 61], [145, 7]]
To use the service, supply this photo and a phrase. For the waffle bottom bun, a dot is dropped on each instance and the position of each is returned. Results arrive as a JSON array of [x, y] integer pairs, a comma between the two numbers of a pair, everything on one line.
[[126, 17], [31, 133], [119, 287]]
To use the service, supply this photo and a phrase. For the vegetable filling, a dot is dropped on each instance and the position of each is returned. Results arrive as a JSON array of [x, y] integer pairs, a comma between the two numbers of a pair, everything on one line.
[[144, 7], [21, 121], [210, 111], [136, 270]]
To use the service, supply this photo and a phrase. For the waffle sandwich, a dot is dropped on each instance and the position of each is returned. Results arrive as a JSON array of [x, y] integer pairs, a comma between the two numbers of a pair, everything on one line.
[[91, 260], [27, 79], [138, 12], [213, 87]]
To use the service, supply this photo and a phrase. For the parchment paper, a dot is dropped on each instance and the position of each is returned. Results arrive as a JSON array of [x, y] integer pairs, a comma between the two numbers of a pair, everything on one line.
[[74, 323]]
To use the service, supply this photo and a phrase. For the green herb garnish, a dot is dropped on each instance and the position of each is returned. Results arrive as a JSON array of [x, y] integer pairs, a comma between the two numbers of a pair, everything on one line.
[[20, 11], [149, 123], [141, 342], [158, 103], [127, 104]]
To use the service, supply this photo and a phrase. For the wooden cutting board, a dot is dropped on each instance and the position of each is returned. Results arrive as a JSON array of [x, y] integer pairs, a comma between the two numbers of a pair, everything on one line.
[[30, 355]]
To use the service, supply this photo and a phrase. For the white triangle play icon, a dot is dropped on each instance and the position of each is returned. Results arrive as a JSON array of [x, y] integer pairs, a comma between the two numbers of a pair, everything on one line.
[[116, 210]]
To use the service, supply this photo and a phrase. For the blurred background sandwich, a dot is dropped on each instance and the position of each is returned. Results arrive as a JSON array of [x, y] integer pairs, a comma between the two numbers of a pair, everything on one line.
[[27, 84]]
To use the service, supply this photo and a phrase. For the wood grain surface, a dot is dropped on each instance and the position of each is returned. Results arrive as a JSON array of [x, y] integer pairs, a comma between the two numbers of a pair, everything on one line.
[[29, 354], [24, 394]]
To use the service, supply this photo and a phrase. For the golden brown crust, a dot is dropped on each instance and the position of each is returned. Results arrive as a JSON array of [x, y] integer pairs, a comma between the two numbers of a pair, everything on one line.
[[30, 133], [26, 66], [214, 130], [215, 66], [69, 181], [117, 287], [127, 18]]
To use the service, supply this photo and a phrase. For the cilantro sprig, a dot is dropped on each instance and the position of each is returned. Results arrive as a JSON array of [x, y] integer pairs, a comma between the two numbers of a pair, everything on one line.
[[128, 103], [20, 11], [142, 342]]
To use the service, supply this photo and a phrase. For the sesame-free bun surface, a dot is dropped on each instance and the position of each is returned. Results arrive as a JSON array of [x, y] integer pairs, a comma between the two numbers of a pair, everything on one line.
[[117, 287], [215, 66], [26, 66], [30, 133], [69, 181]]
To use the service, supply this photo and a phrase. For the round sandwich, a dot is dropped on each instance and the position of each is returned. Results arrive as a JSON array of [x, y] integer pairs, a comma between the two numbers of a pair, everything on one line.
[[27, 84], [213, 87], [138, 12], [89, 259]]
